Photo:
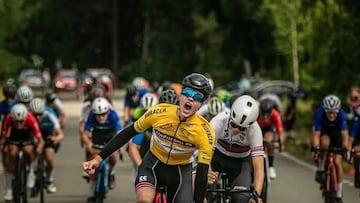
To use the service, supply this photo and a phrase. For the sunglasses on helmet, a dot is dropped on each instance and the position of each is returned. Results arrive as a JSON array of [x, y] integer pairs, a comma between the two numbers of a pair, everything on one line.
[[195, 95]]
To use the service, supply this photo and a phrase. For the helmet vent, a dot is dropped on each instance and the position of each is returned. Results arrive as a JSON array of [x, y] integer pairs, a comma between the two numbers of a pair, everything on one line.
[[243, 118], [249, 104]]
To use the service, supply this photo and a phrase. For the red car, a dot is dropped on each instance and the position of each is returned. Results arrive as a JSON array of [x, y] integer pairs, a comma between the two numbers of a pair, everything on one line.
[[65, 80]]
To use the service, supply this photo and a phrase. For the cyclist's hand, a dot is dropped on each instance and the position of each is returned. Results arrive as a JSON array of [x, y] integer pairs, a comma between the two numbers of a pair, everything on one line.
[[315, 153], [252, 200], [212, 176], [90, 166]]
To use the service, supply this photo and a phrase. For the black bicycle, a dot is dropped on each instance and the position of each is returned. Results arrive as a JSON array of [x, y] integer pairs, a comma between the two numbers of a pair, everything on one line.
[[222, 192], [19, 180], [40, 183], [102, 182]]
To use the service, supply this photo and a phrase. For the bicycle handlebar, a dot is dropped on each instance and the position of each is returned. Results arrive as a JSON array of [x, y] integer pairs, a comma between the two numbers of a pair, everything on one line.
[[330, 149]]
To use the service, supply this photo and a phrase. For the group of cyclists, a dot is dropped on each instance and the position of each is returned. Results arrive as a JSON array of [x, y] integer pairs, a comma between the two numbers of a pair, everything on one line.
[[33, 125], [182, 137]]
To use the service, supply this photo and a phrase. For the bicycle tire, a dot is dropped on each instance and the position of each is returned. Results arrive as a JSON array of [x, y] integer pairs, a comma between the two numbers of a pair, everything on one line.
[[41, 178], [16, 182], [266, 180], [21, 182]]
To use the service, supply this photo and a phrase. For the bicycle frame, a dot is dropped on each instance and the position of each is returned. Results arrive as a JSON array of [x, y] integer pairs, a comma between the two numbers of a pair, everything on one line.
[[225, 190], [102, 182], [329, 186], [19, 181]]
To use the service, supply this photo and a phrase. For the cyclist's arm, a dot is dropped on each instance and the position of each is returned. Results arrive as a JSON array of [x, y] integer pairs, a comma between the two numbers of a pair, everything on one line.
[[200, 182], [118, 141], [276, 118], [258, 166]]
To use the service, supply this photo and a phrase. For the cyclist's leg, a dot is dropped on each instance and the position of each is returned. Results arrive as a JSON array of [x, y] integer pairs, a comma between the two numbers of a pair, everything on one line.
[[9, 166], [30, 155], [180, 184], [244, 179], [336, 141], [324, 144], [112, 162], [146, 179], [356, 147], [269, 135], [49, 155]]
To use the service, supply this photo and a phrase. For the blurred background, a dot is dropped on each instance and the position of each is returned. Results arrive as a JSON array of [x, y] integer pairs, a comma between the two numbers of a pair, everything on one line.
[[312, 43]]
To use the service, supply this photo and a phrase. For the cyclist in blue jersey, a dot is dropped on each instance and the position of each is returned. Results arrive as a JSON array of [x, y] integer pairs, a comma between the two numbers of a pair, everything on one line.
[[330, 130], [101, 125], [52, 135], [9, 92]]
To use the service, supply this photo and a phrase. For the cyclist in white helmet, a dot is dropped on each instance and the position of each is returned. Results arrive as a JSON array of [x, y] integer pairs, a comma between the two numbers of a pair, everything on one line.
[[19, 129], [239, 147], [213, 107], [102, 124], [52, 134], [330, 129]]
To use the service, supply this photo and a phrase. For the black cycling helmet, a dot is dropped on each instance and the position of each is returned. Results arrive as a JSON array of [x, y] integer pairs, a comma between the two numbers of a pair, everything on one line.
[[266, 105], [199, 83], [9, 90], [50, 97], [131, 90], [169, 96]]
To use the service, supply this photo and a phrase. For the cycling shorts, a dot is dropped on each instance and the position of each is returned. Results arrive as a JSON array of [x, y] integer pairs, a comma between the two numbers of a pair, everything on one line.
[[335, 137], [177, 178]]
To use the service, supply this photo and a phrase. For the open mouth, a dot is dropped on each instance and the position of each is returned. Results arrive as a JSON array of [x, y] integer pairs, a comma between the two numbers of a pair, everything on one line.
[[188, 105]]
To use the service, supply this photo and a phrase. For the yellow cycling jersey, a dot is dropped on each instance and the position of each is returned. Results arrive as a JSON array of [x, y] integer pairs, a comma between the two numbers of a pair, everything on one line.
[[173, 141]]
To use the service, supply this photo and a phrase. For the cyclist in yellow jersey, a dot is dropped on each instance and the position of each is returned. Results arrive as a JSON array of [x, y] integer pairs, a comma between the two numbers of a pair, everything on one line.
[[177, 132]]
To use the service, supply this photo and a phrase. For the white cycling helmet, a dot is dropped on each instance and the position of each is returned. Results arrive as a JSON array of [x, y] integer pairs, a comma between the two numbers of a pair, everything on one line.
[[215, 106], [18, 112], [139, 82], [148, 100], [331, 103], [100, 105], [37, 106], [25, 94], [244, 111]]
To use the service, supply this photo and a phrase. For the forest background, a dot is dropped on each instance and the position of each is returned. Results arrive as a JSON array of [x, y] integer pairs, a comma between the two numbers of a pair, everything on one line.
[[314, 43]]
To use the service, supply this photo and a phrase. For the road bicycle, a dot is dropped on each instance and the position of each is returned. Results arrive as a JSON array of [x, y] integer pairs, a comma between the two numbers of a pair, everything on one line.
[[356, 166], [19, 181], [40, 183], [160, 195], [102, 182], [329, 184], [223, 191]]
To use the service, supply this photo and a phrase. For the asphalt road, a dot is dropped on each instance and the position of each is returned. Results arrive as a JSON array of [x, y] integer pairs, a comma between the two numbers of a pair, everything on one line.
[[295, 182]]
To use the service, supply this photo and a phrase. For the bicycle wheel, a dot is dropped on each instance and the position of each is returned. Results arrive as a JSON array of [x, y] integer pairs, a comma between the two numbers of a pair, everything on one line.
[[41, 178], [22, 180], [16, 182], [266, 180]]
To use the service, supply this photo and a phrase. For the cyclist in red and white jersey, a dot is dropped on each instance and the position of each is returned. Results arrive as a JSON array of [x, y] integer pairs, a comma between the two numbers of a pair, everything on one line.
[[239, 147], [20, 127], [270, 123]]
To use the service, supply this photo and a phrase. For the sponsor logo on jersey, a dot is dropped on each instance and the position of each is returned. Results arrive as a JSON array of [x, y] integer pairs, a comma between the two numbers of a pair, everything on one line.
[[208, 133], [155, 111], [168, 127]]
